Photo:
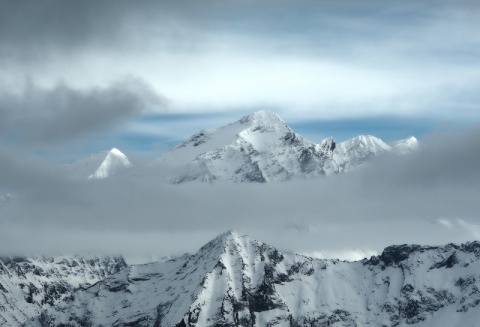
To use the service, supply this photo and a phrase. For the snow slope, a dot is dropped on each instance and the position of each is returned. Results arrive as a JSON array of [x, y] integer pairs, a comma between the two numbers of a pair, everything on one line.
[[237, 281], [262, 148]]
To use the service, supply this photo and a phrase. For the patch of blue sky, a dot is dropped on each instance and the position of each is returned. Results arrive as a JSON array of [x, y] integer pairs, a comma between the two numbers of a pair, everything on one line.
[[151, 135], [386, 128], [164, 131]]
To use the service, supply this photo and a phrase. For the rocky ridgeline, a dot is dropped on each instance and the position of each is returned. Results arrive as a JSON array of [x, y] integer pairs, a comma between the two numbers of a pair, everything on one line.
[[262, 148], [237, 281], [257, 148]]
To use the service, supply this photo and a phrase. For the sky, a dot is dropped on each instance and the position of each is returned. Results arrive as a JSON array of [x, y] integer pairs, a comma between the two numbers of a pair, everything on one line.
[[80, 77]]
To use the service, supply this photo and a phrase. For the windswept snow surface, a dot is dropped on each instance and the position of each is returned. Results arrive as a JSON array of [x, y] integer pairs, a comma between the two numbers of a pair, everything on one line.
[[262, 148], [237, 281]]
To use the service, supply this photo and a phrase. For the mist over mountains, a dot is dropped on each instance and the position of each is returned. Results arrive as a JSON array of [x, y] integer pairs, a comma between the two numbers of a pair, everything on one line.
[[120, 237], [257, 148], [429, 196]]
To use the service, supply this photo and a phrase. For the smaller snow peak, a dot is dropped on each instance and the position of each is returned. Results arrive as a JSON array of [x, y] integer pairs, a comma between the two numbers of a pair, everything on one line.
[[372, 143], [406, 145], [367, 139], [114, 161], [117, 158], [412, 139], [116, 152]]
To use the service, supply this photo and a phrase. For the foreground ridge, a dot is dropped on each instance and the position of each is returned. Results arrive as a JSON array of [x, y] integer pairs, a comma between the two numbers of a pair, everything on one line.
[[237, 281]]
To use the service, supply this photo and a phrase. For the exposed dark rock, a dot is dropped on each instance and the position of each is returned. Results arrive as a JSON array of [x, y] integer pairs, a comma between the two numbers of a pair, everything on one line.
[[447, 263], [397, 253], [181, 324]]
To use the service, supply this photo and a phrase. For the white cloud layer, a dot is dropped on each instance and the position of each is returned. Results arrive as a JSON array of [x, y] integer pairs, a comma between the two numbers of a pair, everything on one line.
[[430, 197]]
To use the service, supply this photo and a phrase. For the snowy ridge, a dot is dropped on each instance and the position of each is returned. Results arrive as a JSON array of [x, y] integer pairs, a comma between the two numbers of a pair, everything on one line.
[[29, 285], [237, 281], [262, 148]]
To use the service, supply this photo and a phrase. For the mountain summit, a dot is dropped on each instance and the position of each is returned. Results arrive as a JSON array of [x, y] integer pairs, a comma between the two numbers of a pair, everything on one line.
[[114, 161], [264, 118], [261, 148], [405, 145], [101, 165]]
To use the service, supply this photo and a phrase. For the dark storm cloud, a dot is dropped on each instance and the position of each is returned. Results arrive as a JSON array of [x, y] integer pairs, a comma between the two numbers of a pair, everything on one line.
[[32, 30], [328, 58], [43, 115], [35, 29], [427, 197]]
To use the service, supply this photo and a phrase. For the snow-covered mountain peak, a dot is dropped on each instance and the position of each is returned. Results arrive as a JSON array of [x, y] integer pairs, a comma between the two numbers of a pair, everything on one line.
[[117, 153], [263, 118], [261, 148], [100, 165], [114, 161], [411, 140], [228, 241], [407, 145], [356, 151], [228, 236], [264, 129]]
